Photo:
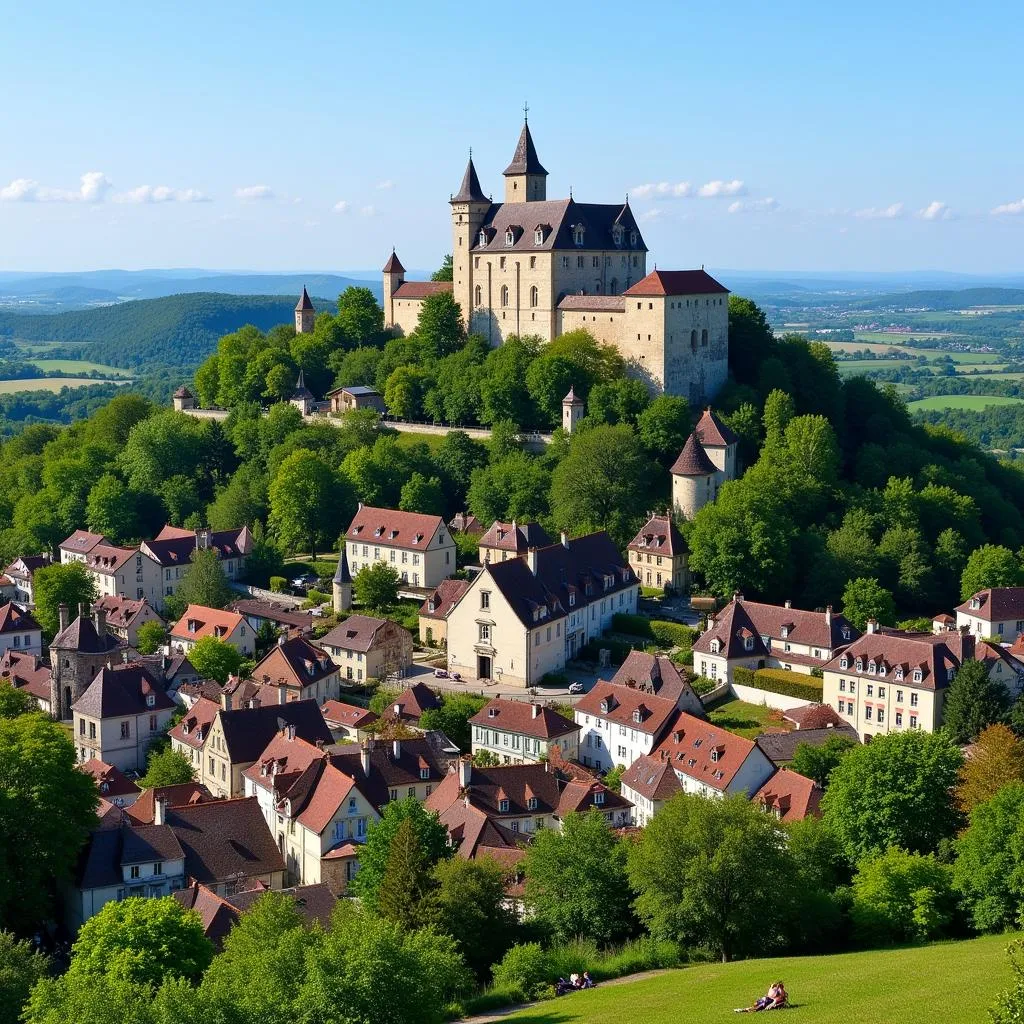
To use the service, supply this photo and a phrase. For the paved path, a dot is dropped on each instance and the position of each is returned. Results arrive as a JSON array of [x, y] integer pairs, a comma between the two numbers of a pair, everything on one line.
[[487, 1018]]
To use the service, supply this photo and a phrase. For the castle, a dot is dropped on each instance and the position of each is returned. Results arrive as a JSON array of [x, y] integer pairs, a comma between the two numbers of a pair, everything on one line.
[[538, 266]]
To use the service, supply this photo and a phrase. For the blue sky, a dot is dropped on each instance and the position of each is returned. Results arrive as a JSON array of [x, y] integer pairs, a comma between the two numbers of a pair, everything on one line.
[[868, 136]]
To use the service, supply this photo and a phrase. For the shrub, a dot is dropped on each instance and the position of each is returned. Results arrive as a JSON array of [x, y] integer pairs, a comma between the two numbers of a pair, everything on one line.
[[778, 680], [702, 685], [315, 598], [278, 584], [554, 679], [523, 971], [667, 634]]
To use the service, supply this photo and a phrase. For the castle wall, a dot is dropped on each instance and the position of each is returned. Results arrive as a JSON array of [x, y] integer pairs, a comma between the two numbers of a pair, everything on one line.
[[405, 315], [604, 326]]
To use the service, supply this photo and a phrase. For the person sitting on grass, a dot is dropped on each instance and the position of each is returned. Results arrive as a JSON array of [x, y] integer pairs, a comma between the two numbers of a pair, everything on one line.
[[776, 999]]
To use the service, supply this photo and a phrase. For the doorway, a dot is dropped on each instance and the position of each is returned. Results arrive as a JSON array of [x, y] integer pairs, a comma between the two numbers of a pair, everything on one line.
[[483, 666]]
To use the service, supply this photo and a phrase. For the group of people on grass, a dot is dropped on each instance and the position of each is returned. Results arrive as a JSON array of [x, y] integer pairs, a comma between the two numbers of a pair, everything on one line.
[[574, 984], [776, 999]]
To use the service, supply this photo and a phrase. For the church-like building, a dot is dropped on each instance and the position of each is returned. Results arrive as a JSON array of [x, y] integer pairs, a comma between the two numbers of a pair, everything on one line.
[[533, 265]]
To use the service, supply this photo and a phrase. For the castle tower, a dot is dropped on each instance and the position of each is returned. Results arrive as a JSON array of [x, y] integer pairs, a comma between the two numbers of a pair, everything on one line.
[[469, 210], [572, 411], [78, 651], [342, 587], [694, 479], [183, 399], [394, 276], [719, 444], [525, 177], [305, 314]]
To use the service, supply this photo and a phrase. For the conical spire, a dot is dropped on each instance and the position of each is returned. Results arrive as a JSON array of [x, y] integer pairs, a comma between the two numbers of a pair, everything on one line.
[[525, 160], [394, 264], [470, 190], [304, 303], [693, 460]]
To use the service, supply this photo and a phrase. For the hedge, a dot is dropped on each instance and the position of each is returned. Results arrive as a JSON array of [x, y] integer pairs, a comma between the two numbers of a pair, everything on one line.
[[778, 680], [618, 650], [668, 634], [278, 584]]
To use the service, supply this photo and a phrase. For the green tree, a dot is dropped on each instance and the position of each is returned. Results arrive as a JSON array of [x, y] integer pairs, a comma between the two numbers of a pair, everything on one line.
[[1009, 1006], [309, 500], [503, 390], [751, 339], [714, 873], [453, 716], [358, 367], [602, 484], [865, 599], [13, 701], [376, 586], [516, 487], [20, 968], [973, 702], [374, 854], [439, 327], [989, 566], [110, 510], [817, 762], [548, 380], [204, 582], [167, 767], [406, 885], [360, 318], [895, 791], [664, 426], [996, 760], [445, 272], [405, 390], [103, 999], [457, 456], [901, 897], [57, 584], [214, 658], [620, 400], [420, 494], [576, 880]]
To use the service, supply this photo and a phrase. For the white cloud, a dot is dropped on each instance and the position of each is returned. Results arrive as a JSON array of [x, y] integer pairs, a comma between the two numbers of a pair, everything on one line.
[[766, 205], [935, 210], [654, 213], [161, 194], [368, 211], [1009, 209], [247, 193], [717, 189], [341, 206], [384, 186], [890, 212], [94, 186], [678, 190]]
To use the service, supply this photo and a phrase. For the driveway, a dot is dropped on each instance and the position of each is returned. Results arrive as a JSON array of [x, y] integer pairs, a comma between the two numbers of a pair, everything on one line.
[[575, 672]]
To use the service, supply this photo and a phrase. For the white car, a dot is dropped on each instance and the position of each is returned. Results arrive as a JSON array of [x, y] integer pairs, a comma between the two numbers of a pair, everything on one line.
[[576, 688]]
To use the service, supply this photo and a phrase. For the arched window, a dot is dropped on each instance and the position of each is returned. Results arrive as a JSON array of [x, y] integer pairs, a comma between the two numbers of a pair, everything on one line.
[[613, 288], [504, 294], [693, 341], [510, 237], [478, 296], [577, 234], [534, 296], [704, 339]]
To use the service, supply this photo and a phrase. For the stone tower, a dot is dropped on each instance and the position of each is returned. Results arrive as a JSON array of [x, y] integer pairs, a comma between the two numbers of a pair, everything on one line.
[[77, 653], [305, 314], [525, 177], [469, 208], [342, 588], [572, 411], [394, 276], [719, 444], [694, 479], [183, 399]]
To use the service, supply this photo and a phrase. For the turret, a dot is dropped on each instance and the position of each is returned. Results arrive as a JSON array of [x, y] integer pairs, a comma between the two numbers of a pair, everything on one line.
[[342, 587], [183, 399], [572, 411], [694, 479], [305, 314], [525, 177], [394, 276], [469, 211]]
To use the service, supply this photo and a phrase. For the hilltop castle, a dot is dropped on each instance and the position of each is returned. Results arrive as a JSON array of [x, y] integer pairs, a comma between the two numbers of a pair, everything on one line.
[[533, 265]]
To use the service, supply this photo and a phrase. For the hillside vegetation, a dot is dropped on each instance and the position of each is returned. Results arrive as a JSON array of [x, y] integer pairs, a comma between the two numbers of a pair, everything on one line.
[[946, 300]]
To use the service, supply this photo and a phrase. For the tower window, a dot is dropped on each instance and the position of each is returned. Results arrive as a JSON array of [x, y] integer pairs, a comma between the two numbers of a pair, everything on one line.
[[476, 262], [534, 296], [504, 294], [577, 234], [510, 237], [704, 339], [477, 296], [693, 341], [533, 262], [617, 234], [579, 262]]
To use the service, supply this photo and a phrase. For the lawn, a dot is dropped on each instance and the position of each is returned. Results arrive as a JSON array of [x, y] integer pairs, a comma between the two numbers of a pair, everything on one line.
[[409, 439], [79, 366], [10, 387], [747, 720], [955, 981], [974, 403]]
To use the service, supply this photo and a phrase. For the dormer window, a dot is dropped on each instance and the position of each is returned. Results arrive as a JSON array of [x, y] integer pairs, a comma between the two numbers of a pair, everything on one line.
[[531, 803], [604, 707], [538, 237], [846, 632], [950, 674], [510, 237], [871, 667], [881, 668], [749, 643], [577, 234], [860, 665], [599, 797], [899, 672], [638, 716], [917, 675], [633, 239], [714, 755], [975, 602], [844, 663], [572, 600], [715, 646], [785, 632], [150, 700], [617, 235], [424, 773], [483, 237], [492, 712], [503, 806]]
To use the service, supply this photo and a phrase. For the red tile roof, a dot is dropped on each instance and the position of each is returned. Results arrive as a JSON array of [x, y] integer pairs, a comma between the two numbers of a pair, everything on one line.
[[394, 264], [657, 674], [199, 621], [693, 460], [28, 672], [421, 289], [712, 431], [274, 611], [412, 702], [337, 713], [790, 795], [677, 282], [633, 708], [521, 717], [304, 303], [193, 729], [294, 662], [659, 536], [143, 811], [997, 604], [108, 558], [120, 610], [445, 596], [356, 633], [814, 716], [390, 527], [110, 779], [702, 751], [81, 542]]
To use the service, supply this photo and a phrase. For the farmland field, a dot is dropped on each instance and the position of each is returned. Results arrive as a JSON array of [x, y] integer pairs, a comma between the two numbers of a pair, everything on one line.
[[79, 366], [974, 403], [895, 337], [10, 387]]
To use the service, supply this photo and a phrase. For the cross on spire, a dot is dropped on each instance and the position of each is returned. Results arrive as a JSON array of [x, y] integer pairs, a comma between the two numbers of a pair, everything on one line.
[[526, 111]]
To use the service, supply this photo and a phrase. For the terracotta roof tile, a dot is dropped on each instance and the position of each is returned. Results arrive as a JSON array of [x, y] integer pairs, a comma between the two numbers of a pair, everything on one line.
[[789, 795], [702, 751], [517, 537], [200, 621], [521, 717], [677, 282], [644, 712], [337, 713], [659, 536], [421, 289], [693, 460], [14, 620], [652, 778], [996, 604], [712, 431], [393, 528], [445, 596]]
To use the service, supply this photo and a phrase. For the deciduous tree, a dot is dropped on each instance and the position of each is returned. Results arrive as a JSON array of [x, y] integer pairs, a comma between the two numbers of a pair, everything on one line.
[[996, 760], [58, 584], [309, 500], [865, 599], [204, 582], [167, 767], [453, 716], [817, 762], [214, 658], [376, 585], [991, 565], [973, 702]]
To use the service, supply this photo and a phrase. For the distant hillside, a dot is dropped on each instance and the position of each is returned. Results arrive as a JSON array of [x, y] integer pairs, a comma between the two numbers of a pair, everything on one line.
[[947, 300], [177, 330]]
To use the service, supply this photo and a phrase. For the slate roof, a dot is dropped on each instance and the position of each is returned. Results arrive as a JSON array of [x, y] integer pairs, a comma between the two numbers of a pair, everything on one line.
[[713, 432], [676, 282], [780, 747], [525, 160], [421, 289], [81, 636], [14, 620], [528, 719], [790, 796], [294, 662], [517, 537], [121, 691], [659, 536], [356, 633], [653, 673], [247, 731], [174, 545], [445, 596], [688, 746], [431, 752], [273, 611], [412, 702], [693, 460], [390, 527], [99, 866], [652, 778], [343, 574], [470, 190], [997, 604], [304, 304], [619, 704]]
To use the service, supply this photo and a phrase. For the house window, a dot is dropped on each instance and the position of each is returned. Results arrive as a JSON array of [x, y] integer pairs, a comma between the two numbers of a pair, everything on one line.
[[899, 717], [577, 234], [538, 238], [126, 730], [510, 237], [867, 713], [485, 600], [913, 700], [842, 686], [880, 715], [485, 631], [478, 297], [704, 339], [504, 295], [531, 803], [503, 806], [135, 871], [158, 868]]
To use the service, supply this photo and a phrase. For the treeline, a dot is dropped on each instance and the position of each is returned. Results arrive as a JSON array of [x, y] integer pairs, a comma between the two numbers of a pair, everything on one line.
[[944, 299], [996, 426]]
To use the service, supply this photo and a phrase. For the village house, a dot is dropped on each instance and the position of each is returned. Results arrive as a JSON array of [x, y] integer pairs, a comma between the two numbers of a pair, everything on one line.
[[511, 540], [418, 547], [658, 675], [19, 632], [659, 556], [221, 741], [284, 618], [303, 670], [789, 796], [173, 547], [996, 612], [20, 573], [526, 617], [199, 621], [519, 733], [891, 680], [111, 782], [620, 724], [755, 635], [648, 784], [125, 615], [123, 711], [347, 722], [79, 650], [465, 522], [398, 768], [317, 814], [408, 707], [174, 669], [434, 611], [355, 396], [117, 571], [8, 589], [364, 647], [144, 810], [27, 672], [473, 834], [710, 761]]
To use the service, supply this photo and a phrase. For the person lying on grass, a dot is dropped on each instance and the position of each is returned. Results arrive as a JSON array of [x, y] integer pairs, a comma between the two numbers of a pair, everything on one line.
[[776, 999]]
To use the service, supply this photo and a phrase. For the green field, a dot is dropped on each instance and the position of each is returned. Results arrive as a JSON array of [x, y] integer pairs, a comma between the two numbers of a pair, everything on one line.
[[896, 338], [936, 984], [10, 387], [409, 439], [745, 719], [79, 366], [974, 403]]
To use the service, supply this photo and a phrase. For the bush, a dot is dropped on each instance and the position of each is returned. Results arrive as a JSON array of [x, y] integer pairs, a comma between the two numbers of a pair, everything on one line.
[[278, 584], [618, 650], [315, 598], [702, 685], [778, 680], [667, 634], [523, 971], [554, 679]]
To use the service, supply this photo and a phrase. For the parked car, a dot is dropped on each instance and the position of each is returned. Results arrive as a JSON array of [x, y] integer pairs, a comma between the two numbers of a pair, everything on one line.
[[440, 673], [305, 582], [576, 687]]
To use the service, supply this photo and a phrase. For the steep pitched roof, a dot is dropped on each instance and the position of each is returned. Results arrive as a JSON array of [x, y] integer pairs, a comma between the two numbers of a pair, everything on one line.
[[622, 705], [410, 704], [676, 282], [217, 915], [712, 431], [394, 264], [517, 537], [109, 558], [199, 621], [702, 751], [294, 662], [470, 190], [693, 460], [391, 527], [183, 392], [193, 729], [247, 731], [81, 542], [421, 289], [14, 620], [529, 719], [110, 780], [99, 866], [121, 611], [304, 304], [996, 604], [120, 691], [525, 159], [301, 391], [397, 764], [652, 777], [28, 672], [659, 536], [337, 713], [81, 636], [174, 545], [24, 566], [790, 796], [343, 574], [445, 596], [356, 633], [474, 834], [143, 811], [653, 673]]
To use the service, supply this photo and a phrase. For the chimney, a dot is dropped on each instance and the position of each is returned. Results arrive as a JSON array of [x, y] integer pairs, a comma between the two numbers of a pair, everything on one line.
[[465, 771], [281, 639], [364, 759], [535, 710], [282, 694], [160, 810], [99, 620], [225, 700], [531, 560], [967, 647], [788, 603], [828, 615], [396, 749], [737, 596], [565, 539], [62, 615], [872, 625]]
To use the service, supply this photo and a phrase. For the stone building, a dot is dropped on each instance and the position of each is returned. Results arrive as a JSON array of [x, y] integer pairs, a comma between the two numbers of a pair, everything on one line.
[[707, 461], [77, 653], [305, 314], [533, 265]]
